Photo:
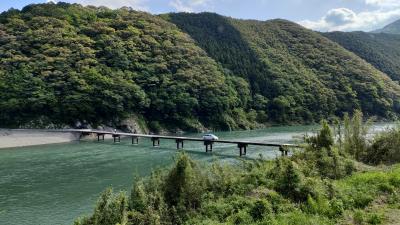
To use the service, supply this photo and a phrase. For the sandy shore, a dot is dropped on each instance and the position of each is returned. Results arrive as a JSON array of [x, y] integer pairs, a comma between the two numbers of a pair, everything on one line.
[[19, 138]]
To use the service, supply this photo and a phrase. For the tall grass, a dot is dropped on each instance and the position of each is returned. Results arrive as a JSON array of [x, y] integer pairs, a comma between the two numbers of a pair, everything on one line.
[[355, 130]]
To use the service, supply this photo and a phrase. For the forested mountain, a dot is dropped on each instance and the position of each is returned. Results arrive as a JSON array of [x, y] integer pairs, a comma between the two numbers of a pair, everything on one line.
[[301, 74], [393, 28], [379, 49], [63, 63]]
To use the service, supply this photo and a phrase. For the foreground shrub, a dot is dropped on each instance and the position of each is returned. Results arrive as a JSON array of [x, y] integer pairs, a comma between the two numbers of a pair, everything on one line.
[[184, 184], [355, 132], [110, 209], [323, 156], [360, 190], [260, 209], [290, 182], [322, 206], [297, 217], [385, 148]]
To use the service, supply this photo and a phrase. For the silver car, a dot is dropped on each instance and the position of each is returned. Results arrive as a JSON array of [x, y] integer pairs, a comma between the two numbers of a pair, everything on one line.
[[210, 137]]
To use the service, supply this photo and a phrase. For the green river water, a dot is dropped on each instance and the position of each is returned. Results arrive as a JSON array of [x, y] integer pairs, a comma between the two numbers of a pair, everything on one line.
[[54, 184]]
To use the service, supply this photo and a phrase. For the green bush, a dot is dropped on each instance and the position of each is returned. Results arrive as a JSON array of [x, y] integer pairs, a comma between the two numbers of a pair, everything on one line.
[[385, 148], [324, 138], [260, 209], [355, 132], [184, 186], [224, 180], [217, 210], [374, 219], [358, 217], [290, 182], [110, 209], [297, 217], [324, 207], [324, 156], [240, 218]]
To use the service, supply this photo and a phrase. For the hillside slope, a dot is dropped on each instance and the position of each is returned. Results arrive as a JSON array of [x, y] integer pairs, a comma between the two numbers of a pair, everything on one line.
[[393, 28], [381, 50], [302, 74], [64, 64]]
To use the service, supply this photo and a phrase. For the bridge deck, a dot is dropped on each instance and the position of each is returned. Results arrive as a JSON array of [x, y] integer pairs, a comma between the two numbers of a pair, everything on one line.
[[187, 139]]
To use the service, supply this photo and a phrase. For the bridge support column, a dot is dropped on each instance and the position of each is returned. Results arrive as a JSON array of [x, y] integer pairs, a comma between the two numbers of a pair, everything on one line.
[[155, 140], [115, 138], [283, 150], [179, 143], [135, 140], [98, 137], [242, 149], [208, 143]]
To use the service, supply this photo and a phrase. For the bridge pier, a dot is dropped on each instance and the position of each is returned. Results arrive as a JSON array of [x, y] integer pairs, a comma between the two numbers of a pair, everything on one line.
[[135, 140], [155, 139], [115, 136], [242, 149], [208, 143], [283, 150], [179, 143], [98, 137]]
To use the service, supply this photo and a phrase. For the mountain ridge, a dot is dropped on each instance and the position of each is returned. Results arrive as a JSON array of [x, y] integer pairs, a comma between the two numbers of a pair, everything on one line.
[[392, 28], [379, 49], [274, 44], [65, 63]]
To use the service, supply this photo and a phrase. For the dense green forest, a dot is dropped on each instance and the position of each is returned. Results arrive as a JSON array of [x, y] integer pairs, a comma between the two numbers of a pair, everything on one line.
[[379, 49], [65, 63], [393, 28], [335, 180], [303, 75]]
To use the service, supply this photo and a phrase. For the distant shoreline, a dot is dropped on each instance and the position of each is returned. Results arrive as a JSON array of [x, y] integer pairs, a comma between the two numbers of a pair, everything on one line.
[[10, 138]]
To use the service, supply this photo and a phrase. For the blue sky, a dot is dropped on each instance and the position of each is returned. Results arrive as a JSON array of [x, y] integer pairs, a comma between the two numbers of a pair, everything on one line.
[[322, 15]]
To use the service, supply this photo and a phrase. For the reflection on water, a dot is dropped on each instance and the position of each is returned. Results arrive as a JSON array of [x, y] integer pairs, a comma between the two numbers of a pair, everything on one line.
[[53, 184]]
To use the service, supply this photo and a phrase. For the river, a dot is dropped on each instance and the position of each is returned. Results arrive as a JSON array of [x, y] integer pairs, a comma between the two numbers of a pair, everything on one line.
[[54, 184]]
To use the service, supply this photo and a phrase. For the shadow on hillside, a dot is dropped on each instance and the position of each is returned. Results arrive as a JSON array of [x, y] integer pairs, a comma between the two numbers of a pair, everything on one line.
[[225, 44]]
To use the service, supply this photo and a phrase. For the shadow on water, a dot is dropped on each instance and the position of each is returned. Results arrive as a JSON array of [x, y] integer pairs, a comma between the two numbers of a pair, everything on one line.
[[192, 151]]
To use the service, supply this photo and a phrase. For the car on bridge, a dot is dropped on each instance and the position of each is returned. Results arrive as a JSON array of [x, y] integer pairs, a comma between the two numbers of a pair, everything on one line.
[[210, 137]]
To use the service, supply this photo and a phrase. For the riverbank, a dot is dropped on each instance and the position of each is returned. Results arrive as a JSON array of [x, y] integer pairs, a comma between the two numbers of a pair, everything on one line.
[[20, 138]]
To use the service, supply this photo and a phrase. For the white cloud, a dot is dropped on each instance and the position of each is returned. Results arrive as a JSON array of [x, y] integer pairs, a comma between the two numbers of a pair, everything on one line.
[[383, 3], [340, 16], [114, 4], [343, 19], [189, 5]]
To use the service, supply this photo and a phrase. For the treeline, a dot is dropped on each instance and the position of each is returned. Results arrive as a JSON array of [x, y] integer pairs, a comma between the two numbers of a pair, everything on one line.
[[65, 64], [324, 184]]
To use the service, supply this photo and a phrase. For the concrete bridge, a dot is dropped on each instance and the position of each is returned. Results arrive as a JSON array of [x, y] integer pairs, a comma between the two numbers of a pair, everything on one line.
[[242, 145]]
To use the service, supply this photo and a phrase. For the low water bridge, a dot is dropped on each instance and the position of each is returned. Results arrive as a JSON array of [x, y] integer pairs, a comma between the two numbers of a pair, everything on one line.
[[242, 145]]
